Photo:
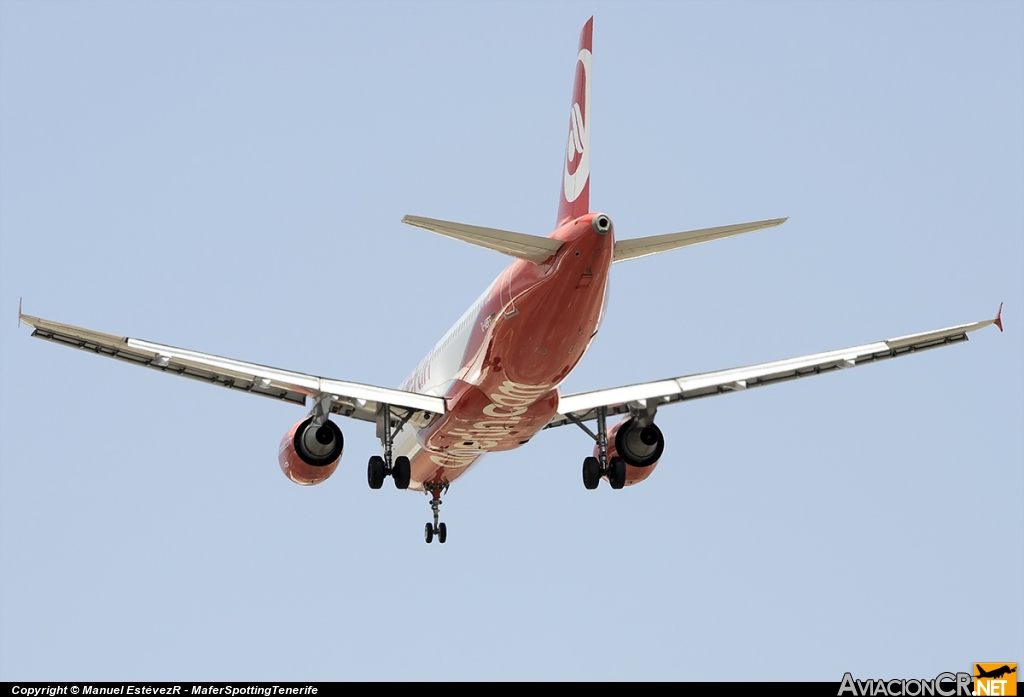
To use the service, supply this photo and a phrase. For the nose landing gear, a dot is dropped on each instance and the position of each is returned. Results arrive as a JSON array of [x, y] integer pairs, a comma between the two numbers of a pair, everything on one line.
[[438, 529]]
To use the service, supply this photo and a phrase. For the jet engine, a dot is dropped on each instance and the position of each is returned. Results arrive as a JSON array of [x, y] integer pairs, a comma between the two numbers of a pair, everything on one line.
[[309, 455], [640, 447]]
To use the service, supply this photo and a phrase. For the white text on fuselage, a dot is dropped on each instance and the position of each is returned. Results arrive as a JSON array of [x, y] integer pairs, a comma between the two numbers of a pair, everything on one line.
[[506, 410]]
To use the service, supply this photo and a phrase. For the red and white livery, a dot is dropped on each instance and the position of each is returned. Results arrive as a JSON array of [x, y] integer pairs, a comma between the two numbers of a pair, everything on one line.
[[492, 382]]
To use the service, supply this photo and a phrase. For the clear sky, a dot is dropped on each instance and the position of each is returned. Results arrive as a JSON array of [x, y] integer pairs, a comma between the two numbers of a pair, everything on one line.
[[230, 177]]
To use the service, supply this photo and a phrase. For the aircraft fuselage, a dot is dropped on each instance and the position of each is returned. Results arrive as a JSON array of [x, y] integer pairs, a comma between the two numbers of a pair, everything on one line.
[[500, 366]]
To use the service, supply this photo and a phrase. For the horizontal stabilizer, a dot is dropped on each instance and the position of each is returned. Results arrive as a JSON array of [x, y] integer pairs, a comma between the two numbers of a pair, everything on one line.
[[515, 244], [645, 246]]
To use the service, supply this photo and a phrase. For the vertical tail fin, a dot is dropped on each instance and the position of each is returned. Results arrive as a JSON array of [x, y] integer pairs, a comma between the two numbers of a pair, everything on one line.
[[575, 197]]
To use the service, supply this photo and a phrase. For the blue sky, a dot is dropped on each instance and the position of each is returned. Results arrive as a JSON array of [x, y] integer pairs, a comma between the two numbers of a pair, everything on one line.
[[230, 177]]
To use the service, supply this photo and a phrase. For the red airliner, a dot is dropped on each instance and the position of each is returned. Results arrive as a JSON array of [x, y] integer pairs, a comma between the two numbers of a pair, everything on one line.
[[491, 383]]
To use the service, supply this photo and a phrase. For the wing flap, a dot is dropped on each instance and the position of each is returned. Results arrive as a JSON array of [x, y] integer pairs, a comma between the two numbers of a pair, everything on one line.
[[351, 399], [620, 400]]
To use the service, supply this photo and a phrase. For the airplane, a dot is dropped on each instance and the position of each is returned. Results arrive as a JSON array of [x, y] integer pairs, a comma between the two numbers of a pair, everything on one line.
[[492, 382], [995, 673]]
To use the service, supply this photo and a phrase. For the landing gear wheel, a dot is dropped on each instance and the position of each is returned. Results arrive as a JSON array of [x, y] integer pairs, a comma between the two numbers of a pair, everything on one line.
[[437, 527], [375, 472], [617, 472], [591, 472], [402, 472]]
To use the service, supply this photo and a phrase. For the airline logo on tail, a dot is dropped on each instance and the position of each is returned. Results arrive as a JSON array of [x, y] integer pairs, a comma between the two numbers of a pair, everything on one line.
[[575, 194], [577, 150]]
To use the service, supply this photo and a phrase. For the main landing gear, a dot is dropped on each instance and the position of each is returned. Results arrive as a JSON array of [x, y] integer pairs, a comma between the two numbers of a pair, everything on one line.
[[377, 470], [615, 470], [438, 529], [596, 467], [400, 469], [381, 467]]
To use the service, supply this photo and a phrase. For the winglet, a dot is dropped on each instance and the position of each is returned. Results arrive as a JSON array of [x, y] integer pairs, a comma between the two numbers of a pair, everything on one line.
[[19, 312], [999, 317]]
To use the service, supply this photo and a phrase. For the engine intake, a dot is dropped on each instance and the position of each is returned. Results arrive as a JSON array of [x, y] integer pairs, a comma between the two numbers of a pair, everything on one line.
[[310, 455]]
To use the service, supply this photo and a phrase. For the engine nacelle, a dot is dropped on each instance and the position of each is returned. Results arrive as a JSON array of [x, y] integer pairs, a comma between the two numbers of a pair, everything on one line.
[[639, 446], [310, 455]]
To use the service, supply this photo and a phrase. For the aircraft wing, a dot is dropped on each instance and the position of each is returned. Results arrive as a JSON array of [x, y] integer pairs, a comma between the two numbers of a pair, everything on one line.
[[347, 398], [620, 400]]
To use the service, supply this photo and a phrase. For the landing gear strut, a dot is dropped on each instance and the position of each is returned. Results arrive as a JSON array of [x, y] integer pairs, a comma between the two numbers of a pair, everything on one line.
[[439, 529], [379, 467], [596, 467]]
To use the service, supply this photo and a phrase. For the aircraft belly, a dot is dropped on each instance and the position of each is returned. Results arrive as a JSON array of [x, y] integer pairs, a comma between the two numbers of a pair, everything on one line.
[[499, 415], [430, 466]]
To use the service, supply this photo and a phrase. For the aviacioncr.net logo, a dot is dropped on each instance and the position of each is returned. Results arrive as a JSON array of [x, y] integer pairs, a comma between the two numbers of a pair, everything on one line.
[[943, 685], [995, 679]]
